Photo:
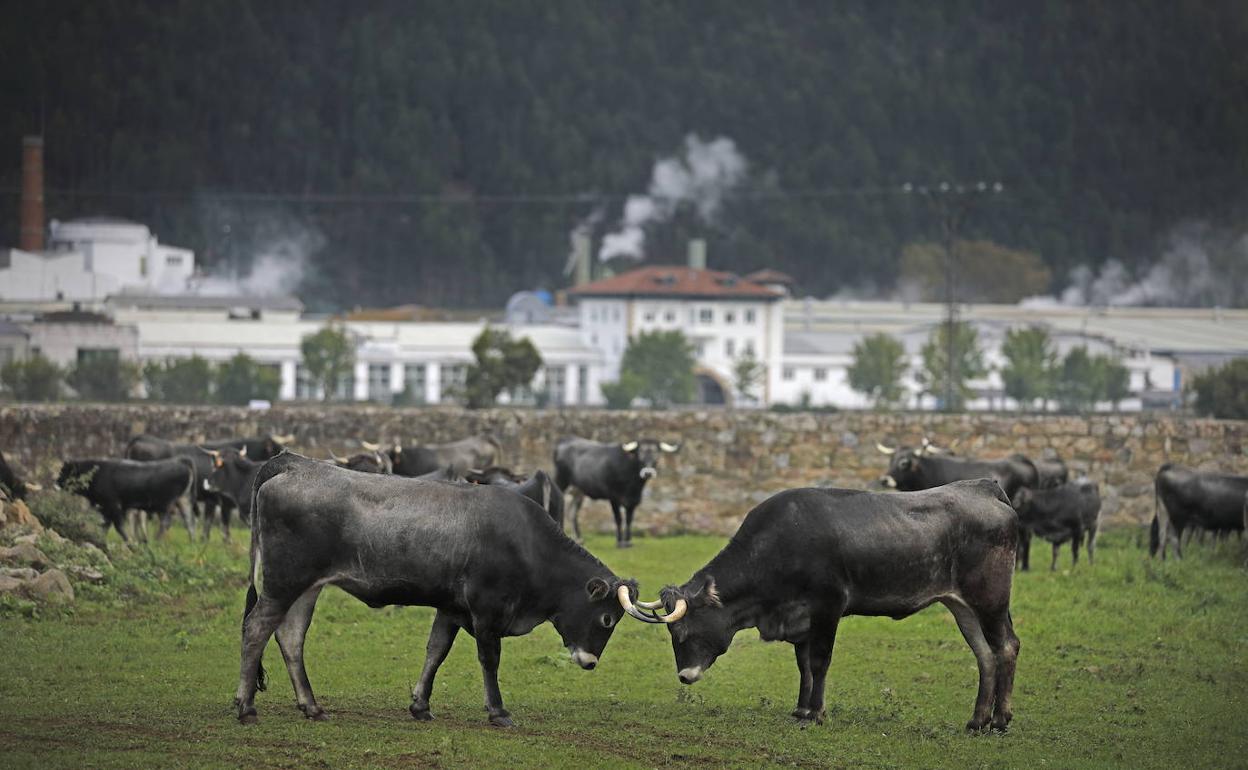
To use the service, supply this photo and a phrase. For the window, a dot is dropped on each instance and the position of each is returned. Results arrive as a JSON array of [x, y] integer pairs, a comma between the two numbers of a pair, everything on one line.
[[346, 386], [749, 347], [730, 316], [706, 315], [582, 384], [97, 355], [615, 314], [556, 385], [414, 378], [304, 387], [670, 316], [173, 260], [787, 373], [730, 348], [143, 266], [7, 354], [699, 349], [379, 382], [749, 316], [454, 380], [649, 316], [821, 374]]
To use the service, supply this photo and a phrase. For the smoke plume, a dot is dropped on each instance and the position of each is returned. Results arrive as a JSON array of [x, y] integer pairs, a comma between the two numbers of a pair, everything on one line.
[[701, 176]]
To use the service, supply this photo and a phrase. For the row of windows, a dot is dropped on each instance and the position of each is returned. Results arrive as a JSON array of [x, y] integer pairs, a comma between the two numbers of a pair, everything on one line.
[[702, 315], [415, 378], [596, 314], [818, 373]]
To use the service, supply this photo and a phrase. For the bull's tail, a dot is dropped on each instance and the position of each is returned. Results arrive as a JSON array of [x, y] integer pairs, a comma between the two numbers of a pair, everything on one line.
[[270, 469]]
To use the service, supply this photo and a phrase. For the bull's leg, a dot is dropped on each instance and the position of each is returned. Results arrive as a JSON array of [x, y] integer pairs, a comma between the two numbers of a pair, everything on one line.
[[210, 516], [441, 637], [489, 650], [1023, 555], [578, 497], [619, 526], [628, 524], [116, 515], [1091, 546], [166, 519], [999, 631], [801, 651], [973, 632], [1053, 564], [258, 626], [1074, 547], [227, 510], [290, 636], [188, 516], [143, 524], [819, 654]]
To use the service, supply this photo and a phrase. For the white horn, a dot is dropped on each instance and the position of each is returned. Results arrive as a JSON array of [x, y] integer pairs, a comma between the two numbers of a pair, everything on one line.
[[629, 447], [885, 450], [626, 602], [243, 451], [33, 487], [677, 612], [666, 447], [369, 446], [286, 439]]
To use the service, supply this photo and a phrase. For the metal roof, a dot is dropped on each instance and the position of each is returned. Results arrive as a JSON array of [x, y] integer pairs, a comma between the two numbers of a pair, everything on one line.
[[205, 302]]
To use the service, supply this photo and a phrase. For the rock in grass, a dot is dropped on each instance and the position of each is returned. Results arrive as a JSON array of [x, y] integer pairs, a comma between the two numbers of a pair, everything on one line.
[[21, 573], [10, 585], [24, 555], [16, 513], [51, 586]]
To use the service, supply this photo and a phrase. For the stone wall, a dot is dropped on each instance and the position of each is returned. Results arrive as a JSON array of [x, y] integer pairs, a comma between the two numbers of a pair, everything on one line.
[[729, 461]]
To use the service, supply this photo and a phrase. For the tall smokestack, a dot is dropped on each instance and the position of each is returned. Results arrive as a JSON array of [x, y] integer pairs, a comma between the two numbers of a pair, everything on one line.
[[580, 256], [697, 254], [30, 237]]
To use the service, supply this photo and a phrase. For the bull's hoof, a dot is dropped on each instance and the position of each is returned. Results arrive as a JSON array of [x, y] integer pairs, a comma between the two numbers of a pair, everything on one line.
[[247, 716], [500, 720], [420, 714], [801, 712], [976, 725], [315, 713]]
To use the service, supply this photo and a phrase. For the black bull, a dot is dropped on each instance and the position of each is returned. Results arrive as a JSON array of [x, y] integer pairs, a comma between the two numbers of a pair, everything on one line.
[[116, 486], [1184, 498], [805, 558], [490, 561]]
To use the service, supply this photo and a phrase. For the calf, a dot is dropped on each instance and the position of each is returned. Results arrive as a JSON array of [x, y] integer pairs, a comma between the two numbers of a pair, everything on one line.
[[116, 486], [488, 560], [1184, 498], [1062, 513], [805, 558], [616, 473]]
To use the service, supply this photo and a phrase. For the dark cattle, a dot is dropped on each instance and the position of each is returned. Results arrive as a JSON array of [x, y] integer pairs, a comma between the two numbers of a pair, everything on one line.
[[616, 473], [116, 486], [490, 561], [10, 484], [233, 474], [925, 468], [1049, 473], [461, 456], [539, 488], [365, 462], [1060, 514], [805, 558], [1185, 498]]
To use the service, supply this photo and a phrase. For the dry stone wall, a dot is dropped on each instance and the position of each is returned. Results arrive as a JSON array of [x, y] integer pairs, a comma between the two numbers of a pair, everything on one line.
[[729, 461]]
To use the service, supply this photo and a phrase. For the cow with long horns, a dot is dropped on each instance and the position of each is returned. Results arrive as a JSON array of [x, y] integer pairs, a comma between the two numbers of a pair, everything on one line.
[[488, 560], [805, 558], [613, 472]]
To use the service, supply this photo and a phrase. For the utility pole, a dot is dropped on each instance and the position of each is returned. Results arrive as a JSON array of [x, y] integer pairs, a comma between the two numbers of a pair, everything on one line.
[[953, 204]]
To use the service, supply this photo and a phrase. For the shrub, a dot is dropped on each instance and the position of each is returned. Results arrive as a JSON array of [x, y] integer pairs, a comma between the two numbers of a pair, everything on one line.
[[32, 379], [69, 515]]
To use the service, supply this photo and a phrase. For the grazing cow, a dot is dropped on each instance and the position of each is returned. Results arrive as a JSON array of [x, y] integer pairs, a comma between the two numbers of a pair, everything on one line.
[[1185, 498], [488, 560], [10, 484], [924, 468], [116, 486], [1062, 513], [233, 474], [805, 558], [461, 456], [616, 473], [539, 488]]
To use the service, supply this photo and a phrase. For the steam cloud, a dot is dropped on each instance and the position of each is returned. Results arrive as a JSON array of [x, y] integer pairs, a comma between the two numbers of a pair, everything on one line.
[[702, 176], [1201, 267]]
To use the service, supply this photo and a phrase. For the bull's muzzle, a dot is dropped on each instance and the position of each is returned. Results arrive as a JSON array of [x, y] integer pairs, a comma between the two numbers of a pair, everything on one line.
[[586, 660], [649, 473], [888, 481], [689, 675]]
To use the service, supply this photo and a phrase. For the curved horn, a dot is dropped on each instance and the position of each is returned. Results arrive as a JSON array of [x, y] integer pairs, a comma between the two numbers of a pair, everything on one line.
[[33, 487], [929, 448], [337, 459], [243, 452], [885, 449], [677, 612], [213, 453], [629, 447], [650, 605], [626, 602], [369, 446], [666, 447], [286, 439]]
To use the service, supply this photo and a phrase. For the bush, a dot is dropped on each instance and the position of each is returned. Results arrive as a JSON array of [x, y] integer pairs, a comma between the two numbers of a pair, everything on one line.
[[1223, 392], [32, 379], [103, 378], [242, 379], [69, 515], [179, 380]]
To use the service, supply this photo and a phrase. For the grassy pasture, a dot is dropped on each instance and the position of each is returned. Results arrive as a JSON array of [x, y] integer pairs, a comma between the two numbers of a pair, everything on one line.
[[1128, 663]]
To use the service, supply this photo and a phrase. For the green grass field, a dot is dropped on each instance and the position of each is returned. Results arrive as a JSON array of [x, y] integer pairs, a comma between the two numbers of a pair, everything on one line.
[[1127, 663]]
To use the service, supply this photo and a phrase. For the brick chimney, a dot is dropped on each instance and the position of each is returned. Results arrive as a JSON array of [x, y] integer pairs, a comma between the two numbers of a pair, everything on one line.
[[31, 222]]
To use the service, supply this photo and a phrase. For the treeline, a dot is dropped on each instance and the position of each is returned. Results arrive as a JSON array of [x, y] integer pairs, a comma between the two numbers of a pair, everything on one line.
[[1108, 123]]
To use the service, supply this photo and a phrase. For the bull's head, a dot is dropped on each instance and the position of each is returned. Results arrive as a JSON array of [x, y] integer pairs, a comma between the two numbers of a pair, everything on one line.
[[905, 465], [700, 627], [647, 453], [587, 618]]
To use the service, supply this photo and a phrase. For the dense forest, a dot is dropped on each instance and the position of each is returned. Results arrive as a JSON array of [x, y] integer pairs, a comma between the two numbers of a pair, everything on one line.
[[442, 152]]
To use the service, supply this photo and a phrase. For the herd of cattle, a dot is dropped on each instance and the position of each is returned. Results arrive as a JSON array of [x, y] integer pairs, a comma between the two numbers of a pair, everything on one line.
[[447, 526]]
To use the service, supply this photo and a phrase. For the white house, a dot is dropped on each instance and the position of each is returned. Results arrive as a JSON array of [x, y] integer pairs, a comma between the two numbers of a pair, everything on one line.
[[723, 315], [90, 259]]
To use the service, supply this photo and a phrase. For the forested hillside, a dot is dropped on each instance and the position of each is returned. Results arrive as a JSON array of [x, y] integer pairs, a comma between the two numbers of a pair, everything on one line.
[[441, 152]]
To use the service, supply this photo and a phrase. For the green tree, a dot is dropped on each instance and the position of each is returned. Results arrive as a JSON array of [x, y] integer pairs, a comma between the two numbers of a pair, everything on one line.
[[620, 394], [329, 357], [502, 364], [747, 375], [242, 379], [878, 366], [34, 378], [1222, 392], [986, 271], [662, 365], [1030, 365], [968, 365], [1115, 379], [1085, 380], [179, 380], [103, 377]]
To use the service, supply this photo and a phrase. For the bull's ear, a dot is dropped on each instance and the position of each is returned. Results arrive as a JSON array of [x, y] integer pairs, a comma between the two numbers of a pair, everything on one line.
[[707, 595], [598, 589], [629, 447]]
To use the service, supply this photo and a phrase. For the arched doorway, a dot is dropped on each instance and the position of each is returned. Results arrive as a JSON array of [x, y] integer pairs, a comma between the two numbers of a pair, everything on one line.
[[711, 391]]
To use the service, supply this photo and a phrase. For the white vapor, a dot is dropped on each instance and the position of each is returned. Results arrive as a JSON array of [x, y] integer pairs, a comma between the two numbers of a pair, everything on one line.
[[1200, 267], [277, 250], [702, 176]]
